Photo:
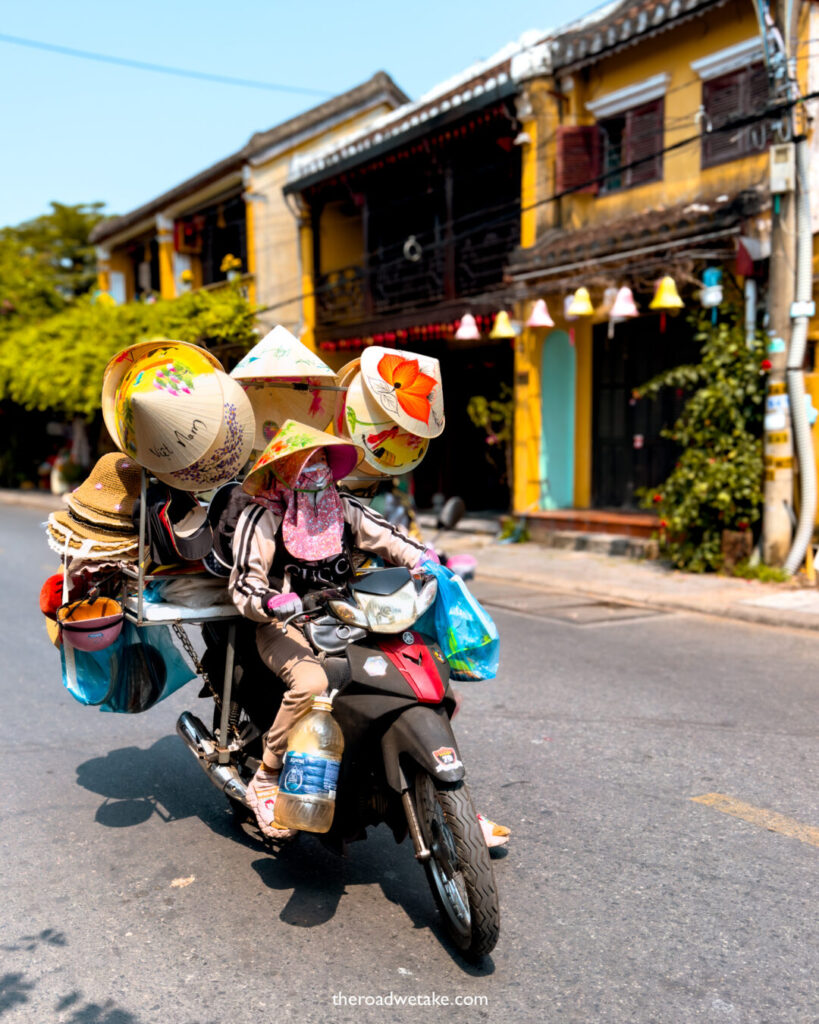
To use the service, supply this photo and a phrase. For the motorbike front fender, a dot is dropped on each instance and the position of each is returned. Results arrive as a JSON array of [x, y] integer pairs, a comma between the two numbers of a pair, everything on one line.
[[425, 735]]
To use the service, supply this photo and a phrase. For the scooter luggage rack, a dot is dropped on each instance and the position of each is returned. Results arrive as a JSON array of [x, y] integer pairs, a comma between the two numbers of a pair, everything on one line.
[[172, 615]]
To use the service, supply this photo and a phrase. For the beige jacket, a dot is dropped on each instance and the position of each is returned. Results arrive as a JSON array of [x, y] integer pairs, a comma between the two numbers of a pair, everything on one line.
[[254, 545]]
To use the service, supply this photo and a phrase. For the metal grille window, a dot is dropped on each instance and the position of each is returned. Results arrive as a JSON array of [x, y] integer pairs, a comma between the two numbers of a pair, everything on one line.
[[742, 93], [633, 137]]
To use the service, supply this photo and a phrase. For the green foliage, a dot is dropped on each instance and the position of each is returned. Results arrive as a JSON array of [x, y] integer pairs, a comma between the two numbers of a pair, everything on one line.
[[763, 573], [495, 416], [58, 364], [46, 263], [717, 482]]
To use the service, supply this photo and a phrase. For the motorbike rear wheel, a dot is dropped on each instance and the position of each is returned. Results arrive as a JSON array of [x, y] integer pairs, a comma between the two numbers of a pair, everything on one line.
[[459, 871]]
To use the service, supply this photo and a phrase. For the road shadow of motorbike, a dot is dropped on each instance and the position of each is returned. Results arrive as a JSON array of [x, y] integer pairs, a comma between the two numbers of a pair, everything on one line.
[[319, 879], [138, 783]]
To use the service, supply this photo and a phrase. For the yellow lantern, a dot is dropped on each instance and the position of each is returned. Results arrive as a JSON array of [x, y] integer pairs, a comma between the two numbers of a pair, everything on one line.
[[666, 295], [502, 327], [581, 304]]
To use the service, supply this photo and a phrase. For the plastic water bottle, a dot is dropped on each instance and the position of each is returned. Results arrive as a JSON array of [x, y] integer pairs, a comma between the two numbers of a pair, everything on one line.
[[307, 784]]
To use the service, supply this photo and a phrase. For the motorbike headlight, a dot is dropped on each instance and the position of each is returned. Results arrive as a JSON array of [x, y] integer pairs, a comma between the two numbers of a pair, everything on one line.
[[428, 594], [348, 613], [389, 613]]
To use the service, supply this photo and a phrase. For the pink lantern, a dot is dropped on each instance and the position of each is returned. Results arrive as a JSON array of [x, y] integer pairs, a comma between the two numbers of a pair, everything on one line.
[[468, 329], [539, 317], [624, 306]]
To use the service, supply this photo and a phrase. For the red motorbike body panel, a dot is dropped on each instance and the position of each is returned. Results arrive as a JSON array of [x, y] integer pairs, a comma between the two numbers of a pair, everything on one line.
[[416, 663]]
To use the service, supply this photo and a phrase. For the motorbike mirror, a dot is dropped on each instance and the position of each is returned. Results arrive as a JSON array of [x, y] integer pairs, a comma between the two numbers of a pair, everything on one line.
[[451, 514]]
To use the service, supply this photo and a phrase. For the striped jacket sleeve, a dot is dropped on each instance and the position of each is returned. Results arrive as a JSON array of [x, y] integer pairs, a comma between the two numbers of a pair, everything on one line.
[[254, 545], [372, 532]]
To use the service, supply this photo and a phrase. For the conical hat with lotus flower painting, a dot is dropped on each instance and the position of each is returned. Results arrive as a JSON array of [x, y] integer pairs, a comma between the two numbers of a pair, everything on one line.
[[408, 388], [388, 448]]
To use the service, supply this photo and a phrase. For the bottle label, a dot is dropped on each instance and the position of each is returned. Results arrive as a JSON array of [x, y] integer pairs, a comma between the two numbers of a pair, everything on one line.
[[308, 775]]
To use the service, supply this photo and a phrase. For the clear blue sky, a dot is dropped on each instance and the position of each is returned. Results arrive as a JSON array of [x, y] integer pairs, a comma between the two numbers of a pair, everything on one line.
[[77, 131]]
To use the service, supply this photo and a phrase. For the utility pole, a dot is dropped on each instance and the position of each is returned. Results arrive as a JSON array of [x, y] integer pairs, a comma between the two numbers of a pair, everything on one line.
[[777, 516]]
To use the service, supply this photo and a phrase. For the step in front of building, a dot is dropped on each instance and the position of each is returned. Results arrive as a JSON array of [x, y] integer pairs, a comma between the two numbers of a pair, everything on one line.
[[608, 533]]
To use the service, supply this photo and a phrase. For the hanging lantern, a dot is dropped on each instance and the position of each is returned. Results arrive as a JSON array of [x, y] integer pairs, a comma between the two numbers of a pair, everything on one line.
[[581, 303], [666, 296], [502, 327], [567, 308], [624, 306], [539, 317], [609, 298], [711, 294]]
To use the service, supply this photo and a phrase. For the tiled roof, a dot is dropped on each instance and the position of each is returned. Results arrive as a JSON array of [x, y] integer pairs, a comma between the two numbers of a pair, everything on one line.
[[617, 26]]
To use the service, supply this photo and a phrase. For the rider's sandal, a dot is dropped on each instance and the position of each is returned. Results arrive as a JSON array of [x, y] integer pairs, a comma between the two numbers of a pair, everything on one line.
[[494, 835], [261, 797]]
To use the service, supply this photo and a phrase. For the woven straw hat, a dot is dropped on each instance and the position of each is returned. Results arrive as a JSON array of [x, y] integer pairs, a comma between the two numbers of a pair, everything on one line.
[[230, 449], [162, 403], [281, 359], [99, 511], [388, 448], [107, 495], [408, 388], [291, 447]]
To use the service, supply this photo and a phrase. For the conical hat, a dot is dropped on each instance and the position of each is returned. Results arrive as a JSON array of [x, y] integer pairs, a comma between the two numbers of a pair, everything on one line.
[[273, 405], [230, 449], [291, 447], [168, 408], [344, 376], [120, 365], [280, 356], [408, 388], [388, 448]]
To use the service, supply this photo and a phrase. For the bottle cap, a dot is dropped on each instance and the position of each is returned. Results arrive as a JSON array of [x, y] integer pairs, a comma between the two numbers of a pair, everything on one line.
[[323, 703]]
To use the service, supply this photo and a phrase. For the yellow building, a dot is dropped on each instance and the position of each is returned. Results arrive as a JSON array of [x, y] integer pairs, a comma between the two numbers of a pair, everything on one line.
[[180, 239], [627, 177]]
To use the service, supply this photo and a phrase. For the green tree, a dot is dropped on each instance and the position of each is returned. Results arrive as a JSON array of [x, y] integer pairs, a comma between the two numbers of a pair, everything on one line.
[[716, 484]]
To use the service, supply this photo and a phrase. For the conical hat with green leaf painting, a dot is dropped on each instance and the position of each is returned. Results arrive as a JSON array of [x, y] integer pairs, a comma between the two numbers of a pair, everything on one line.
[[291, 446], [408, 388], [388, 448]]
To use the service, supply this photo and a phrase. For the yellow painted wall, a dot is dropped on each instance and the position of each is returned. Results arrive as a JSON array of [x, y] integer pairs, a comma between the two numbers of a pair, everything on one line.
[[341, 239]]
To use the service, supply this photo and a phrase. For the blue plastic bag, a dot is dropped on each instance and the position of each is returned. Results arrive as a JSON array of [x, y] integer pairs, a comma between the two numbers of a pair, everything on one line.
[[141, 668], [465, 632]]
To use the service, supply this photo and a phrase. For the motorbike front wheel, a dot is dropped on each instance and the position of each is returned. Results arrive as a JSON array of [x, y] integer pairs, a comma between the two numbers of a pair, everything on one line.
[[459, 870]]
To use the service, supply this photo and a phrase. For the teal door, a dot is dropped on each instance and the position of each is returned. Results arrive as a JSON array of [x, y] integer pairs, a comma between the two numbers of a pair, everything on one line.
[[557, 411]]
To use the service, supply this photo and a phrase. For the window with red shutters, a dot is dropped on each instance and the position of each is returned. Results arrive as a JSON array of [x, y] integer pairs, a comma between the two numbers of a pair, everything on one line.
[[730, 97], [634, 137], [578, 158]]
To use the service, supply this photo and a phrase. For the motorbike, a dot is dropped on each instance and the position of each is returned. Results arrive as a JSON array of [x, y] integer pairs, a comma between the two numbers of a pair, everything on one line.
[[401, 763]]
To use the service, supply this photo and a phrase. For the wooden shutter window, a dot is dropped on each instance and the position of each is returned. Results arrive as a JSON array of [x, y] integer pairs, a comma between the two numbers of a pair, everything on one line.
[[578, 158], [738, 94], [644, 142]]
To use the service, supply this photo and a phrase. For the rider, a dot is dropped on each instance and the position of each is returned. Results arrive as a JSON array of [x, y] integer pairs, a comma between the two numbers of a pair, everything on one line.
[[296, 535]]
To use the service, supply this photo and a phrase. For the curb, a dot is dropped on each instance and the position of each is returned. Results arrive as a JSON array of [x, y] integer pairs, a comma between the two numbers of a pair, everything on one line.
[[738, 613], [32, 499]]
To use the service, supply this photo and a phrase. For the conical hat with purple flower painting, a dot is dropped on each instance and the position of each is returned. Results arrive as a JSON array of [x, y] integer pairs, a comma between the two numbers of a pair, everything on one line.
[[162, 403], [408, 388]]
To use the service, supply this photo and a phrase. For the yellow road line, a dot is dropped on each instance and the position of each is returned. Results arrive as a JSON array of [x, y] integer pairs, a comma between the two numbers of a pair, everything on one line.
[[770, 820]]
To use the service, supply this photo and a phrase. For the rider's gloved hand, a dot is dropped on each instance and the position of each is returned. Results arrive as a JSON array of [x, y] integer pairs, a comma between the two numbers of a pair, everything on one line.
[[282, 606]]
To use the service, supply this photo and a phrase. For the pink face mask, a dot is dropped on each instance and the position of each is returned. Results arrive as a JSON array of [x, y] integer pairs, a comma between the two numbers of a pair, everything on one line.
[[311, 512]]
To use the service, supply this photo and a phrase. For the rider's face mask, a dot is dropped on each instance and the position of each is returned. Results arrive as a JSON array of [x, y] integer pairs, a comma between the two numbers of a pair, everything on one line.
[[315, 476]]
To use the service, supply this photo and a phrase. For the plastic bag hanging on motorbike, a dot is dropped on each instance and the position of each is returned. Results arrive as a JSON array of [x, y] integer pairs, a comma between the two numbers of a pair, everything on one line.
[[141, 668], [464, 630]]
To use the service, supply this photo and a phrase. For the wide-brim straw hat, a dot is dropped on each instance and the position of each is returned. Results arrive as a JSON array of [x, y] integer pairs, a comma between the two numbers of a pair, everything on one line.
[[230, 449], [283, 381], [68, 536], [388, 448], [108, 493], [162, 403], [408, 388], [284, 458]]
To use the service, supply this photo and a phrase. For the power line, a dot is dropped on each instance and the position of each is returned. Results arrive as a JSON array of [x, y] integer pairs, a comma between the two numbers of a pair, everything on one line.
[[165, 69]]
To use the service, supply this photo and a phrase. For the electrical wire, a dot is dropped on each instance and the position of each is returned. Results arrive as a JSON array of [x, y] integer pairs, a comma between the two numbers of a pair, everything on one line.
[[165, 69]]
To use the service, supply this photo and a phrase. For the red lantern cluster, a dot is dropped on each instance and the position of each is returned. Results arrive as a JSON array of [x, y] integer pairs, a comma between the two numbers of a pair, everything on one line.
[[392, 339]]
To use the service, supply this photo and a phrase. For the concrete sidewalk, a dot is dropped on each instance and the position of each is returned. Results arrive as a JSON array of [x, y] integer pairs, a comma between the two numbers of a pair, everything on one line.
[[603, 577], [645, 583]]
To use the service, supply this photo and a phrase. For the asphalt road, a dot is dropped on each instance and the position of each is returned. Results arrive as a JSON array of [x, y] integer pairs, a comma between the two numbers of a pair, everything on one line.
[[129, 897]]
